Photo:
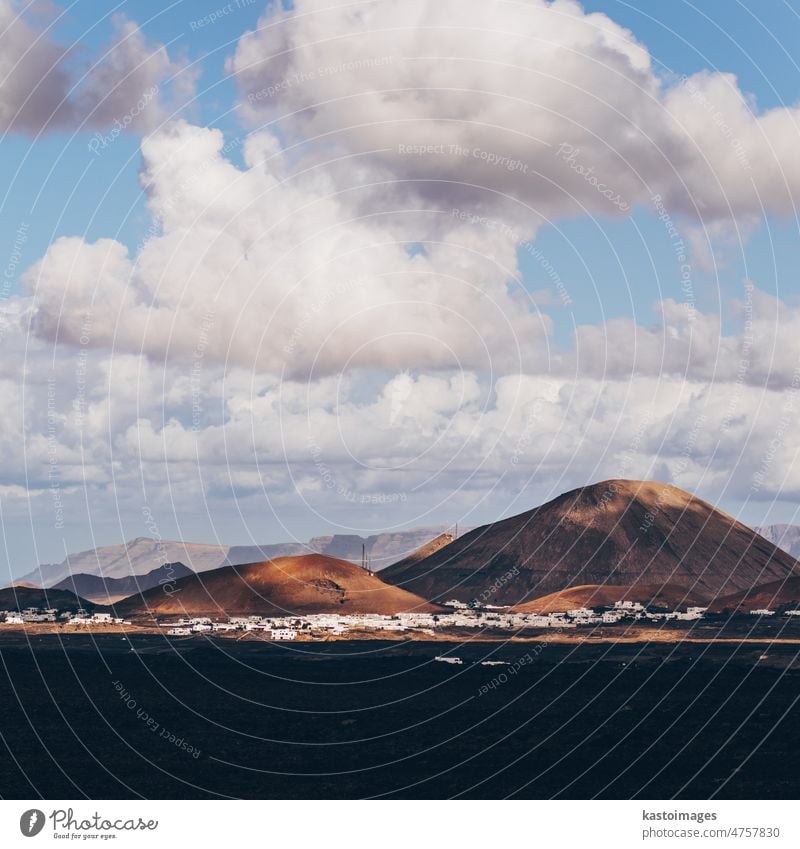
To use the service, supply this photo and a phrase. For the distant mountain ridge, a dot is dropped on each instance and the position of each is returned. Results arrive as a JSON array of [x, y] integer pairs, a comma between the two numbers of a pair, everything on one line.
[[108, 590], [143, 555], [786, 537], [382, 549], [137, 557]]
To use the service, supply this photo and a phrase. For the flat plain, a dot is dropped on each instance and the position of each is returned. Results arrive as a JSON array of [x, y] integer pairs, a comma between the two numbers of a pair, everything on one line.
[[111, 716]]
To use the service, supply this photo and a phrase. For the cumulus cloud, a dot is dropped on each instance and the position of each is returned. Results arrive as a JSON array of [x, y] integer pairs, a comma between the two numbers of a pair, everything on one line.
[[46, 85], [259, 271], [34, 80], [541, 102], [316, 316], [107, 432], [761, 348], [451, 438], [133, 83], [331, 249], [291, 282]]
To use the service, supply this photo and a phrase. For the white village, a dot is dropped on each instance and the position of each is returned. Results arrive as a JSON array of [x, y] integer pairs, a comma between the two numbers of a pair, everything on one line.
[[462, 616], [325, 625], [42, 615]]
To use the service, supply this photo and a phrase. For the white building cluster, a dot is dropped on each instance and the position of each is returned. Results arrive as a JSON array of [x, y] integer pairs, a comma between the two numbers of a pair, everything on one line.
[[83, 618], [51, 614], [460, 615]]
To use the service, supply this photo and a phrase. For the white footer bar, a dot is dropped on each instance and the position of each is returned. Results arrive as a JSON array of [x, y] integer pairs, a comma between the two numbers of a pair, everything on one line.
[[400, 824]]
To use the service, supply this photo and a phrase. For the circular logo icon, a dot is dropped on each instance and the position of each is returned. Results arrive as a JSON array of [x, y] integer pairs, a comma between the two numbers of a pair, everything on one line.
[[31, 822]]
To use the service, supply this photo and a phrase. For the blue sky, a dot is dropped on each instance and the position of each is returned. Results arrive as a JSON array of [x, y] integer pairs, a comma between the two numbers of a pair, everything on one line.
[[611, 266], [750, 39]]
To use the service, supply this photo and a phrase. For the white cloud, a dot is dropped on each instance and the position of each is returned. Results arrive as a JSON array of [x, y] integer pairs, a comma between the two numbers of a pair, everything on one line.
[[46, 85], [291, 266], [763, 350], [334, 318], [101, 434], [287, 278], [33, 80], [510, 84]]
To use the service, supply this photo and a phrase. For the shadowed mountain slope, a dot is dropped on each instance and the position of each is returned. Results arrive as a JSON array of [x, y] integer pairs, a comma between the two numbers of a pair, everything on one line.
[[18, 598], [108, 590], [617, 532]]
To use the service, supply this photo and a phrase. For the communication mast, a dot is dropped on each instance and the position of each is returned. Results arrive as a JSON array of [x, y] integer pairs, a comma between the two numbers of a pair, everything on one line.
[[365, 564]]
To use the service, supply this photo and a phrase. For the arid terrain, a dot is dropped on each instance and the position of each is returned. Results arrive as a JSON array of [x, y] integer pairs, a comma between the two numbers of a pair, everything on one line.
[[312, 583], [616, 532], [773, 595], [606, 686]]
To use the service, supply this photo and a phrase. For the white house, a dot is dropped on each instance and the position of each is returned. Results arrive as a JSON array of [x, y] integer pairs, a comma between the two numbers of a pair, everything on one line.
[[580, 613], [628, 605], [611, 616]]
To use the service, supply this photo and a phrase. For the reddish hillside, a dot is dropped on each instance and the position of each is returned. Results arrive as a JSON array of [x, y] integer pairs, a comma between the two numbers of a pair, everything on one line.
[[619, 532], [771, 596], [670, 596], [311, 583]]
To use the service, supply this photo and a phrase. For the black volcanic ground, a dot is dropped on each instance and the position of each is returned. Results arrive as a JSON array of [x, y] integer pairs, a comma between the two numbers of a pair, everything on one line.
[[352, 720]]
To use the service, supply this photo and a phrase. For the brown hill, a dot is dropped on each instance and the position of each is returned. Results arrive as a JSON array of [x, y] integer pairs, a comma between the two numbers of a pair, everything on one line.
[[311, 583], [671, 596], [618, 532], [20, 597], [772, 596]]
